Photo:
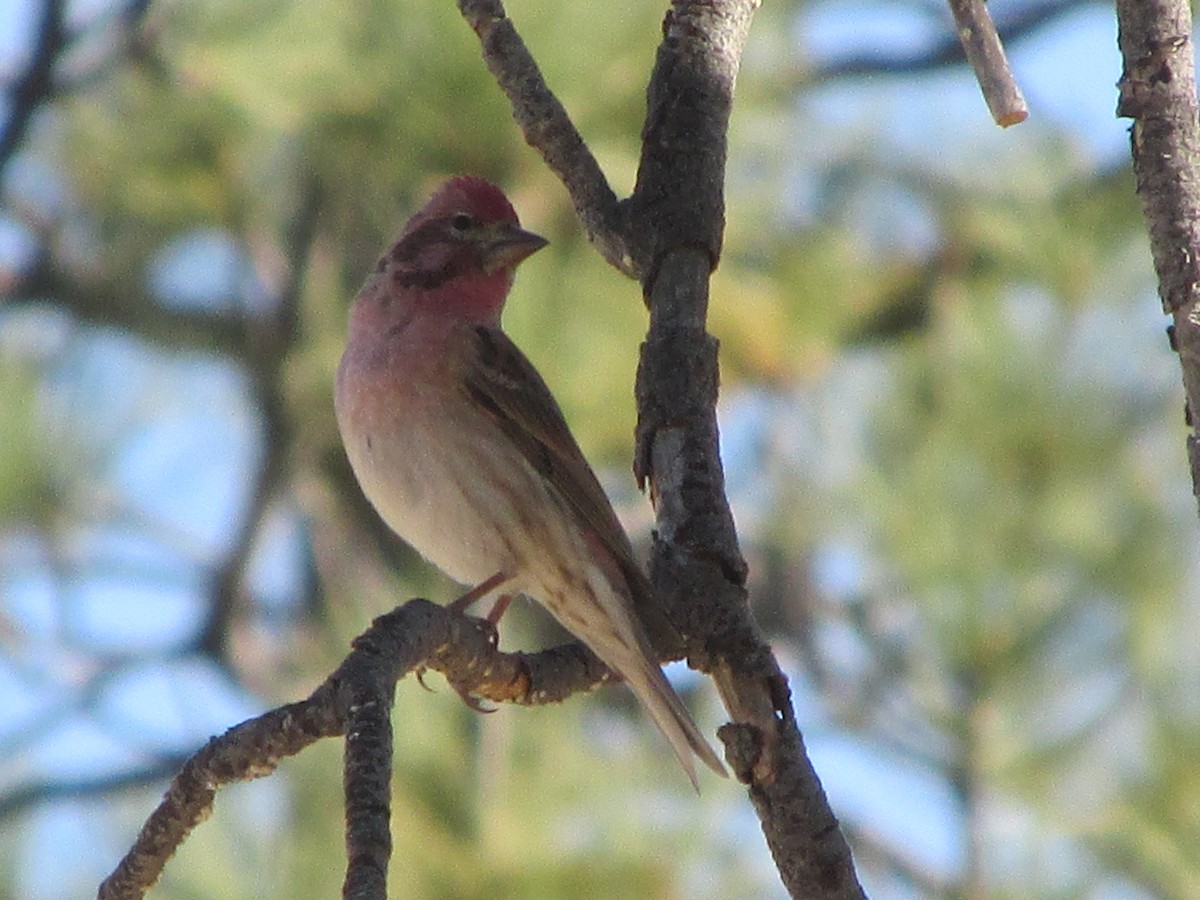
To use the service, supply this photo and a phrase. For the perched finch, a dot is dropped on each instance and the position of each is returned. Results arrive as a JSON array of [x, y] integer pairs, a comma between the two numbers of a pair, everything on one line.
[[457, 442]]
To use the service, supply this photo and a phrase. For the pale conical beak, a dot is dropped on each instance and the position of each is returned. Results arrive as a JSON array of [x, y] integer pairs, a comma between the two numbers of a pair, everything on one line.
[[508, 246]]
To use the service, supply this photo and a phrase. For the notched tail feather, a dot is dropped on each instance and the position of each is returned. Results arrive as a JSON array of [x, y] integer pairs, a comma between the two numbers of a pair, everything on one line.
[[673, 720]]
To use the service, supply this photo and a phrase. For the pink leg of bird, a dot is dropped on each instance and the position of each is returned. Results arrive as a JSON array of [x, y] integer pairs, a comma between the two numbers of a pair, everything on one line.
[[485, 587]]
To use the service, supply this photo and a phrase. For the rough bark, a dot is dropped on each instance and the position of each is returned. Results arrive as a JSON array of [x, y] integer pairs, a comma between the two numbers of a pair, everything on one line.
[[1158, 91]]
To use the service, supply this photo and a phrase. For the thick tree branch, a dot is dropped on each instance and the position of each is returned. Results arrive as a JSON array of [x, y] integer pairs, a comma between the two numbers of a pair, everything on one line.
[[675, 226], [676, 217], [1158, 91]]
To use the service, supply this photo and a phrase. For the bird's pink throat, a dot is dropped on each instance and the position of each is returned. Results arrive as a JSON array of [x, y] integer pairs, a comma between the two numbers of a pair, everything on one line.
[[477, 297]]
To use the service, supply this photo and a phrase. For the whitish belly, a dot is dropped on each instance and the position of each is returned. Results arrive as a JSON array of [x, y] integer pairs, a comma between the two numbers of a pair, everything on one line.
[[466, 503]]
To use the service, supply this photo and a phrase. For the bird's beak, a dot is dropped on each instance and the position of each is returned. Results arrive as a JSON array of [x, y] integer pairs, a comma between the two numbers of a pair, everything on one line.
[[508, 245]]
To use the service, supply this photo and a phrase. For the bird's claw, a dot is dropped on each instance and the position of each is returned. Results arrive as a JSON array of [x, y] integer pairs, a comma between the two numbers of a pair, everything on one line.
[[420, 675], [465, 695], [485, 587], [472, 701]]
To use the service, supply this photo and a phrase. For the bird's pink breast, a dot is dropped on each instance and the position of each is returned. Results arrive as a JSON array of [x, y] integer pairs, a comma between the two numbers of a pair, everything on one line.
[[432, 465]]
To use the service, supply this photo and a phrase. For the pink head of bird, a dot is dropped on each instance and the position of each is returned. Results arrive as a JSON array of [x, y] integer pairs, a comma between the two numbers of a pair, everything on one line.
[[459, 252], [468, 194]]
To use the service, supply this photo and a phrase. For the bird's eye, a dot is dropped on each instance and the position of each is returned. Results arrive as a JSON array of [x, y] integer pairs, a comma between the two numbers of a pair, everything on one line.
[[461, 223]]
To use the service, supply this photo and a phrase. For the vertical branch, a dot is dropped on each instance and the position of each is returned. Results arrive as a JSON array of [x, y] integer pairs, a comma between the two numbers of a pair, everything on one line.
[[673, 227], [367, 775], [676, 219], [1158, 91]]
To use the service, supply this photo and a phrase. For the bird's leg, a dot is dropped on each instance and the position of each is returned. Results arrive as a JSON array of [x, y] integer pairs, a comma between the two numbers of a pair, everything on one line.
[[485, 587], [499, 608]]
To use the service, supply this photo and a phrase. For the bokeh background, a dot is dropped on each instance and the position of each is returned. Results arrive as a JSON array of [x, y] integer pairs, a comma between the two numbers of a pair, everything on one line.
[[951, 425]]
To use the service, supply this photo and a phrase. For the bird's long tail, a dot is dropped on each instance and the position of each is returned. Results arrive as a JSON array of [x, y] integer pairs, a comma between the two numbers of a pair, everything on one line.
[[602, 615], [651, 687]]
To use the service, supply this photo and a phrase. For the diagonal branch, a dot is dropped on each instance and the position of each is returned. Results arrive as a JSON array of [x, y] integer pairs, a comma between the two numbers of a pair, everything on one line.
[[947, 52], [985, 53], [36, 85], [549, 130]]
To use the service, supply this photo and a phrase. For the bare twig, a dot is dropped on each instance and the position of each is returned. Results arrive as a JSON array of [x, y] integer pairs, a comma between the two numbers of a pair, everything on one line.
[[549, 129], [985, 53], [1158, 91], [250, 750]]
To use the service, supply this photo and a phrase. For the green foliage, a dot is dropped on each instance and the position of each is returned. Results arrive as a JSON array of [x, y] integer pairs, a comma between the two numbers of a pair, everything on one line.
[[26, 482]]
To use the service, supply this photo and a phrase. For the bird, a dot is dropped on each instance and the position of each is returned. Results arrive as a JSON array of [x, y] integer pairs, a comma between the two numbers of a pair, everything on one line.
[[459, 445]]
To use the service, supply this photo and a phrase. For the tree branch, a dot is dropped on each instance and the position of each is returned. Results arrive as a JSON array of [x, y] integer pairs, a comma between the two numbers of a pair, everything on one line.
[[1158, 91], [675, 226], [677, 216], [947, 52], [356, 701], [36, 85], [549, 130], [985, 53]]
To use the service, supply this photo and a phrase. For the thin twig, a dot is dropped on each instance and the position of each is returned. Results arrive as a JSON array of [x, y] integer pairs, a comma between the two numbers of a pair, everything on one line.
[[941, 53], [985, 53]]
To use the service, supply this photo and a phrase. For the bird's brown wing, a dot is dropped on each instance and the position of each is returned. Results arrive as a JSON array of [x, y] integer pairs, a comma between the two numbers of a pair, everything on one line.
[[504, 383]]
